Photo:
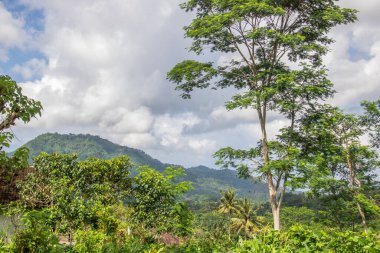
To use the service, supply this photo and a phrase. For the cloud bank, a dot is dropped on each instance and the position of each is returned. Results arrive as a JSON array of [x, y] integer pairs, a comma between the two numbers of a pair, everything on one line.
[[104, 65]]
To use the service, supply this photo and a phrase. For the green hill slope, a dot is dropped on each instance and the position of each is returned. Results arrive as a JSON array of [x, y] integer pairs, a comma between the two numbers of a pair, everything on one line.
[[85, 145], [207, 182]]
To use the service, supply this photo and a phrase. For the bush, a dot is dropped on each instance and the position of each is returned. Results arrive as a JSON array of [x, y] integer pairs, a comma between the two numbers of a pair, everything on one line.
[[299, 239], [89, 241], [3, 247], [36, 236], [354, 242]]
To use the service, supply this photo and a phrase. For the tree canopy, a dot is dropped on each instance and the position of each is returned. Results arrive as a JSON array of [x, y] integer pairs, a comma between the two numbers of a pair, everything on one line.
[[276, 49], [14, 105]]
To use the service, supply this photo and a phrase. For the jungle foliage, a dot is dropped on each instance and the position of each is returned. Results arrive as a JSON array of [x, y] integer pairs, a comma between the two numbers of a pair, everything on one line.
[[103, 201]]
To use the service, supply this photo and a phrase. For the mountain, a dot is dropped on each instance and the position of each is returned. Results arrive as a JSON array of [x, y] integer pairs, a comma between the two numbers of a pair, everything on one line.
[[85, 146], [207, 182]]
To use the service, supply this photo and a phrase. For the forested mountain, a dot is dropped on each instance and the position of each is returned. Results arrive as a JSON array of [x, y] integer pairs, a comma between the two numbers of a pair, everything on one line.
[[85, 146], [207, 182]]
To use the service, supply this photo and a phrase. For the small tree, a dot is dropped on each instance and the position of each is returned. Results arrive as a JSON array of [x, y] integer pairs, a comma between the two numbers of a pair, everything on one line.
[[228, 206], [263, 37], [36, 235], [227, 202], [246, 219], [155, 197], [75, 190], [242, 216]]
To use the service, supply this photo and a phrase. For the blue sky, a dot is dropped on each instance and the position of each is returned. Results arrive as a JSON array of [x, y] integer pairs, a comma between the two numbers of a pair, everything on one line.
[[33, 25], [100, 68]]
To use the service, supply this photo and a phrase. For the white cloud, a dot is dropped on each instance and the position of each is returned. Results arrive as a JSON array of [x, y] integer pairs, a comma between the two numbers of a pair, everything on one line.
[[221, 113], [169, 129], [122, 120], [138, 140], [202, 145], [11, 32], [105, 70], [31, 69], [356, 80]]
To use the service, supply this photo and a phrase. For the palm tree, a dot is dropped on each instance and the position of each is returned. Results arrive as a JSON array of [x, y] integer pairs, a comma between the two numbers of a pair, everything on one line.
[[247, 220], [228, 206], [228, 202]]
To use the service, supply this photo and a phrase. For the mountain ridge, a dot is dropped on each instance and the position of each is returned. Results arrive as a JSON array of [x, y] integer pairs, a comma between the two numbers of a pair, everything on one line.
[[207, 182]]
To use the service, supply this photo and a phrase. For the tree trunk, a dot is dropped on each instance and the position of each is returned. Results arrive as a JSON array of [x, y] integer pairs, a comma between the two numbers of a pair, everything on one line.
[[276, 218], [351, 169], [352, 180], [269, 177], [362, 215], [273, 202]]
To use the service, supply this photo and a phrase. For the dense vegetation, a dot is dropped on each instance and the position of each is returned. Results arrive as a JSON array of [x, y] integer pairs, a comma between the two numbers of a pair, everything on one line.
[[207, 183], [96, 205], [84, 203], [108, 198]]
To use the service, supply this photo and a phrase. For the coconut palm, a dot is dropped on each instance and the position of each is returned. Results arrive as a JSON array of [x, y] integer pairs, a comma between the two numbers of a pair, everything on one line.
[[228, 202], [246, 219], [228, 206]]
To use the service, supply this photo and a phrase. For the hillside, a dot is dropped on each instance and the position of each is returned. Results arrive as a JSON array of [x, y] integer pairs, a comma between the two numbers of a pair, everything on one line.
[[207, 182], [85, 145]]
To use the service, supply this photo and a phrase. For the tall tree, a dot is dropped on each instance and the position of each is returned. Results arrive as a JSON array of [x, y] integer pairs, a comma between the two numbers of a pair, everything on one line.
[[263, 37], [332, 139], [14, 106]]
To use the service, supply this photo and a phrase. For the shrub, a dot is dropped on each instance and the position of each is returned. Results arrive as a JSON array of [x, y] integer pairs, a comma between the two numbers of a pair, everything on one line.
[[89, 241], [299, 239], [37, 234]]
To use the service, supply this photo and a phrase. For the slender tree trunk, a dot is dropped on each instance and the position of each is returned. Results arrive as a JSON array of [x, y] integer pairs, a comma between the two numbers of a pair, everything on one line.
[[352, 180], [351, 169], [364, 220], [273, 202], [276, 218], [269, 177]]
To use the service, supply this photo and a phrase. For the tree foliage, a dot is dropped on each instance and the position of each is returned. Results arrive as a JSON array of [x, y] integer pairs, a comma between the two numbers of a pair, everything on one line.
[[341, 168], [58, 176], [155, 196], [371, 119], [243, 217], [262, 37], [14, 105]]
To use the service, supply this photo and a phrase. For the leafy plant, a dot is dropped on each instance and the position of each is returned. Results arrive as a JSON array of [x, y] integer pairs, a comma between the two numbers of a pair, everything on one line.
[[155, 196], [36, 235], [89, 241]]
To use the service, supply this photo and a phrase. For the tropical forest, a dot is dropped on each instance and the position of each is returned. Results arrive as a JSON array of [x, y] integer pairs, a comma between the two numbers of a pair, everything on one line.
[[103, 132]]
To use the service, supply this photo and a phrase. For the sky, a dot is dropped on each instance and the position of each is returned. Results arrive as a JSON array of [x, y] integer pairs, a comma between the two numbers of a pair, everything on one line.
[[99, 67]]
